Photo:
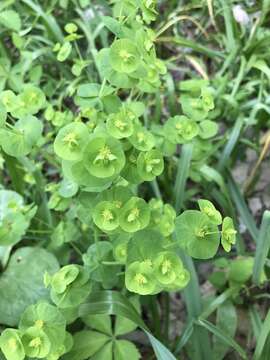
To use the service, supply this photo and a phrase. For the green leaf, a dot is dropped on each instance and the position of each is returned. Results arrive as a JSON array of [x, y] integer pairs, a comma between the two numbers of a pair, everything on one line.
[[262, 248], [222, 336], [11, 20], [114, 303], [226, 321], [99, 322], [105, 353], [86, 344], [124, 325], [64, 51], [261, 341], [124, 347], [23, 282]]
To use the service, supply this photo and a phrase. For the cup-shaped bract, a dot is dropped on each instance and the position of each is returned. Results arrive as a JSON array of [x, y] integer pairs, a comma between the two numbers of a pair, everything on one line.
[[197, 235], [124, 56], [209, 209], [11, 344], [36, 343], [105, 216], [134, 215], [71, 141], [150, 164], [139, 278], [104, 156], [142, 139], [228, 234], [166, 267], [181, 129]]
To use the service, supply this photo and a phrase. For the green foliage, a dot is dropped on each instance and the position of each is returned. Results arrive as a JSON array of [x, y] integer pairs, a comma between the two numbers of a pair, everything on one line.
[[115, 118]]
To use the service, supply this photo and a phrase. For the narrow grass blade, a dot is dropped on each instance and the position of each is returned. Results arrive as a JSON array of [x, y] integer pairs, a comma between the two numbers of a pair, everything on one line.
[[200, 339], [182, 175], [230, 144], [261, 342], [256, 321], [114, 303], [15, 173], [181, 41], [184, 338], [242, 208], [262, 248], [216, 303], [229, 21], [48, 19], [222, 336]]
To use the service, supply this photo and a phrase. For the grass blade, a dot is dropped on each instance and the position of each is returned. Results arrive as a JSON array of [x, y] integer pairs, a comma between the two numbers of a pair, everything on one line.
[[242, 208], [48, 19], [222, 336], [230, 144], [184, 338], [182, 175], [192, 45], [261, 342], [192, 297], [262, 248]]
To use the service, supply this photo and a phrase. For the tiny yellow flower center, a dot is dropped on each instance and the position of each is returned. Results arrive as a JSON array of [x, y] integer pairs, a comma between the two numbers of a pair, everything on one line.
[[151, 163], [70, 139], [35, 342], [124, 55], [118, 204], [166, 267], [39, 324], [107, 215], [140, 137], [140, 279], [178, 126], [120, 124], [133, 215], [200, 232]]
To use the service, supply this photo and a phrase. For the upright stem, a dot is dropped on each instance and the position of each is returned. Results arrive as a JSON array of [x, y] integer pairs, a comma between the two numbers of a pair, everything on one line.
[[182, 175]]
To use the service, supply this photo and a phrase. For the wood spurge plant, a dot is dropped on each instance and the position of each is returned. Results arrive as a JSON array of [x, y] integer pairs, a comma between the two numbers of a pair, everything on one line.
[[122, 127]]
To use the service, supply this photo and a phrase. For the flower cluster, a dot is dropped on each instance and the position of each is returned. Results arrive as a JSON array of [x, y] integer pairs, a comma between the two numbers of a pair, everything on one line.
[[41, 334]]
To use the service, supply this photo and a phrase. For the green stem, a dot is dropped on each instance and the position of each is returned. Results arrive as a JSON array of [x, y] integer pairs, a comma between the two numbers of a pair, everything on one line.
[[182, 175]]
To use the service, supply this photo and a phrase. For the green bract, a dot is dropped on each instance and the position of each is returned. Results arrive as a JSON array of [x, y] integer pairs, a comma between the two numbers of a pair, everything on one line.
[[47, 318], [150, 164], [71, 141], [105, 216], [197, 235], [134, 215], [104, 156], [14, 217], [142, 139], [139, 278], [69, 286], [208, 209], [20, 140], [11, 344], [228, 234], [120, 125], [166, 267], [124, 56], [181, 129], [36, 343]]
